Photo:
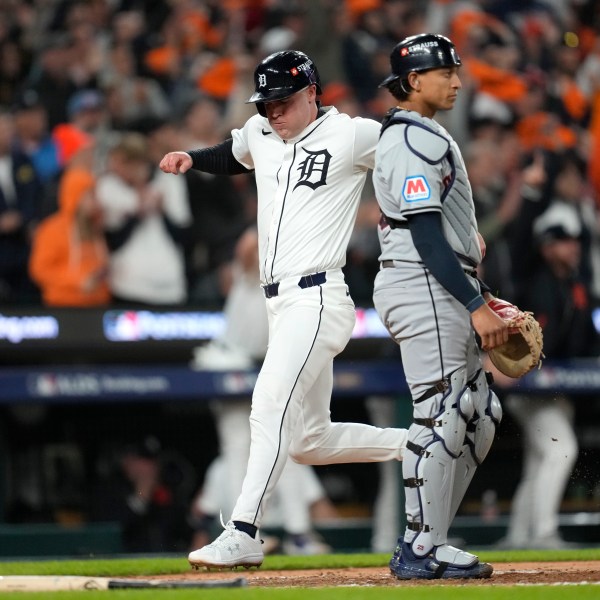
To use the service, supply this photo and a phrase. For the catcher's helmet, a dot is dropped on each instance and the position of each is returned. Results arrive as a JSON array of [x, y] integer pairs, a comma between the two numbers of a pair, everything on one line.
[[421, 53], [280, 75]]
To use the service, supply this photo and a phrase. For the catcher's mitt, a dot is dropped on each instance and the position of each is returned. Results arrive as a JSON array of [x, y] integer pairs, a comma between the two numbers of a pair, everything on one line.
[[523, 351]]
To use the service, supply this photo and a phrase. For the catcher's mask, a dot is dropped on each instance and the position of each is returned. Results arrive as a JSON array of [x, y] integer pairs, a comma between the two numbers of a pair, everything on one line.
[[280, 75], [420, 53]]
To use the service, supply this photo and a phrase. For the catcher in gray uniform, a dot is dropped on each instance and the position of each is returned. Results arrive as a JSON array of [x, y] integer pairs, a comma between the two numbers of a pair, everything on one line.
[[429, 298]]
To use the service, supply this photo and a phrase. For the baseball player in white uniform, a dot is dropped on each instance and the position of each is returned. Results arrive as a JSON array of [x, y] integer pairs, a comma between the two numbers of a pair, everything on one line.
[[310, 166], [243, 345], [428, 296]]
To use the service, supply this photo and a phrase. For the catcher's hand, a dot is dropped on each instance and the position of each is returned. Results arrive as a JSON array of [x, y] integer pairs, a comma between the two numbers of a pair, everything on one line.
[[523, 351]]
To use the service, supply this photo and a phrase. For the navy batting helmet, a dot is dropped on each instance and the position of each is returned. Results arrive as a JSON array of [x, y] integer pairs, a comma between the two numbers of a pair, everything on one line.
[[421, 53], [280, 75]]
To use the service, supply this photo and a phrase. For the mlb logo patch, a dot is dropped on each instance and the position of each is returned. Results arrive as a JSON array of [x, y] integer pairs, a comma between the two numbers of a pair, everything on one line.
[[416, 188]]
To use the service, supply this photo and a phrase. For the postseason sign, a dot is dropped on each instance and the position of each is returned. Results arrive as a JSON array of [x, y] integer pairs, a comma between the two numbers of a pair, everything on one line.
[[26, 336]]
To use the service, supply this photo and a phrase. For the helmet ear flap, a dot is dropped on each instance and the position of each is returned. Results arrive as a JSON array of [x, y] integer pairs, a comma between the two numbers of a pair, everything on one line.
[[260, 107]]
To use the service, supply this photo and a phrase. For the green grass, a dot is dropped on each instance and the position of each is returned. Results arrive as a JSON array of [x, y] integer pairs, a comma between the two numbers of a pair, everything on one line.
[[130, 566], [376, 593], [135, 566]]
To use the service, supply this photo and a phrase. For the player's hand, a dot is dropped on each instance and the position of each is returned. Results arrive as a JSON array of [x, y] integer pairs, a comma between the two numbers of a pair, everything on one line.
[[492, 330], [176, 162]]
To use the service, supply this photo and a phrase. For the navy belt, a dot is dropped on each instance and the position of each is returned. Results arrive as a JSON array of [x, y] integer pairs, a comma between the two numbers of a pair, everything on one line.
[[272, 290]]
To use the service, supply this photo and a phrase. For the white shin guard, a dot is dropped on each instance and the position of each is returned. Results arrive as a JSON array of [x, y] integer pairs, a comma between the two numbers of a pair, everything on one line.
[[438, 471], [435, 477]]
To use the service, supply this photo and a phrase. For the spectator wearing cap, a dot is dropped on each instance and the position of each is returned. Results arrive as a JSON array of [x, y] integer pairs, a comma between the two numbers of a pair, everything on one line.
[[85, 116], [20, 192], [33, 138], [560, 299], [85, 109], [143, 487]]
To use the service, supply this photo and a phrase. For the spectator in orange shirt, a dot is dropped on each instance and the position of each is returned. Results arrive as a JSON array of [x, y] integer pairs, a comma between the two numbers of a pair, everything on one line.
[[69, 257]]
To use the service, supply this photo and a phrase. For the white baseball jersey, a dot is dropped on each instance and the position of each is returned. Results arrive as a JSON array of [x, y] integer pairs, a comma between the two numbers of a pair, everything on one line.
[[308, 190], [308, 194]]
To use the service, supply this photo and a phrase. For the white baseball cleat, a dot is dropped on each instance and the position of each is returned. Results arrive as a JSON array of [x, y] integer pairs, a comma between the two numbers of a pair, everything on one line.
[[233, 548]]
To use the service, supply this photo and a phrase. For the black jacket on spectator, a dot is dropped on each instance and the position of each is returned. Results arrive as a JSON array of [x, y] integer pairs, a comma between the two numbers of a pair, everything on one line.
[[15, 246]]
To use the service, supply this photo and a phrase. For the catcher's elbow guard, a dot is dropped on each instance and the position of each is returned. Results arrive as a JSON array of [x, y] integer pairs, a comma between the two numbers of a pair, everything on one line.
[[523, 350]]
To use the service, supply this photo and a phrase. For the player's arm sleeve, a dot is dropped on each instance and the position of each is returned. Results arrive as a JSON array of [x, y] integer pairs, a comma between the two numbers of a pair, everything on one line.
[[437, 255], [218, 160]]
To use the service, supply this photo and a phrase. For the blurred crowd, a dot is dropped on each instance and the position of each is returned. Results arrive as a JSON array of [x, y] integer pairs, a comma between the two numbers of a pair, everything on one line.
[[94, 92]]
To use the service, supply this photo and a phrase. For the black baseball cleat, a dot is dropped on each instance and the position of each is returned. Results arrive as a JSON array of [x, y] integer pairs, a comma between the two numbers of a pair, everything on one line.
[[405, 565]]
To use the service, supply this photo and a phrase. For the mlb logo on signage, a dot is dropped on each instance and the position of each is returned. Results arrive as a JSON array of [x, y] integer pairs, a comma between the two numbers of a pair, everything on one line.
[[416, 188]]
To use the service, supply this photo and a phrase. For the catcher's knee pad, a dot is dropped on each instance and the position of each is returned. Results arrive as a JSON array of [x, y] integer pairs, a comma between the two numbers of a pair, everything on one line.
[[488, 414], [453, 409]]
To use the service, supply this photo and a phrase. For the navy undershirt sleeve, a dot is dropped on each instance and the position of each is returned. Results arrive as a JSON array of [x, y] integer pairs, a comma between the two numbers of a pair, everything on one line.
[[438, 256], [218, 160]]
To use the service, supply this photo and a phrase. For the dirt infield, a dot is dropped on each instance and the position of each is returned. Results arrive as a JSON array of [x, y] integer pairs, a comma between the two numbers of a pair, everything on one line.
[[504, 574]]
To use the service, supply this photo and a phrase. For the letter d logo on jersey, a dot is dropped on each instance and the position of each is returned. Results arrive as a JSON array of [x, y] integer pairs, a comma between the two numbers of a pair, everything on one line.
[[416, 188]]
